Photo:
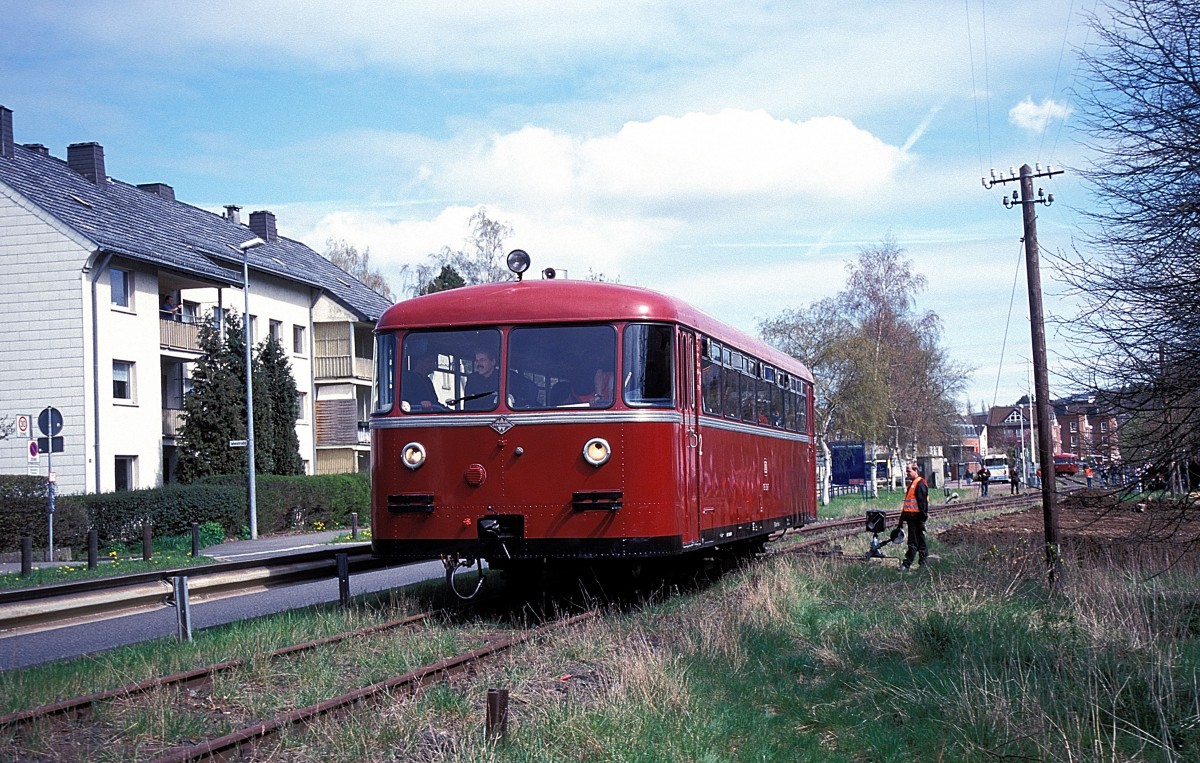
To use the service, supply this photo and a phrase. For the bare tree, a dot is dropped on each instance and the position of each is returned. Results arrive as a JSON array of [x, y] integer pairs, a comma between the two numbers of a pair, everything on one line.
[[358, 264], [1137, 272], [881, 372], [481, 259]]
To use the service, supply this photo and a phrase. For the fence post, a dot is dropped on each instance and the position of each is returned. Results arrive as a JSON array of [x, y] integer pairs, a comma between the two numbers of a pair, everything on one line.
[[354, 525], [183, 608], [26, 556], [93, 548], [195, 539], [343, 573], [147, 547], [497, 713]]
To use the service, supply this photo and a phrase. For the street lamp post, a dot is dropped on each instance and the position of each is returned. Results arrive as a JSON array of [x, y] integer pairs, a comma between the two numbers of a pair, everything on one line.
[[245, 247]]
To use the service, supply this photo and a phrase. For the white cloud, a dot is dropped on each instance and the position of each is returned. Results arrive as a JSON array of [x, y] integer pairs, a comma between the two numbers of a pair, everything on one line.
[[1035, 117], [677, 161]]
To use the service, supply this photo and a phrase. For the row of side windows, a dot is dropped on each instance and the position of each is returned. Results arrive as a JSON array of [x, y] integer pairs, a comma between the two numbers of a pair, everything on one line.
[[740, 387]]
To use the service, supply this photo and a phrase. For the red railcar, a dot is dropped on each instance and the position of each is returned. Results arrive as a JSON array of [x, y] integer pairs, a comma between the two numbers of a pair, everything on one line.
[[568, 420]]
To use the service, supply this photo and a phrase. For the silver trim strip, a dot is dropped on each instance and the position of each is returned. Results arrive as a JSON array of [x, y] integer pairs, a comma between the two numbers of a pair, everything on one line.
[[578, 416], [743, 428]]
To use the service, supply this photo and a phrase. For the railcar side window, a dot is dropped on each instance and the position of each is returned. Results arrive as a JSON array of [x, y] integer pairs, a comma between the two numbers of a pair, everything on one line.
[[710, 380], [561, 367], [445, 371], [647, 368], [384, 384]]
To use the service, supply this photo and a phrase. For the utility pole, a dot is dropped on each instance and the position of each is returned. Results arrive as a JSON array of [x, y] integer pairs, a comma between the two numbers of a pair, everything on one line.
[[1037, 327]]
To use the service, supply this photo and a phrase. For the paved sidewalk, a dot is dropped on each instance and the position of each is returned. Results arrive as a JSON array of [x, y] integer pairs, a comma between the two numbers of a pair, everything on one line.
[[230, 551]]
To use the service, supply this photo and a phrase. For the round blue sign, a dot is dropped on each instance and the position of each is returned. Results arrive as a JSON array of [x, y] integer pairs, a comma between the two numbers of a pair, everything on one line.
[[50, 422]]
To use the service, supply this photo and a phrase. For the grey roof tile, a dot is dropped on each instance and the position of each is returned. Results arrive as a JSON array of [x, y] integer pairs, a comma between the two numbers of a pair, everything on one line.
[[135, 223]]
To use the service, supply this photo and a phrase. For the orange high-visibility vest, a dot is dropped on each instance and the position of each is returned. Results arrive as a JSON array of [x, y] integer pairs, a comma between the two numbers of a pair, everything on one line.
[[910, 498]]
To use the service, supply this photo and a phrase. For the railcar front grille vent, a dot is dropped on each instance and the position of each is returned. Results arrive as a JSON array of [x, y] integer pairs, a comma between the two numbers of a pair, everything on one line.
[[421, 503], [603, 500]]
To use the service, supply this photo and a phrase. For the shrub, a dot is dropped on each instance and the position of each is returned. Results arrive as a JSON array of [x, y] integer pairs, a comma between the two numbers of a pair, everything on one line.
[[286, 503], [23, 511]]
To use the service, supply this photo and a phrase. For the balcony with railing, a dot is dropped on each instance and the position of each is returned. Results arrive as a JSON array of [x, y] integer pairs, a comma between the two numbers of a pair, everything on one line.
[[341, 367], [338, 424], [177, 335], [172, 420]]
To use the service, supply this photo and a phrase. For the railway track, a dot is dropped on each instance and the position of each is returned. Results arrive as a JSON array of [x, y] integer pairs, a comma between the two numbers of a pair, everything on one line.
[[72, 724]]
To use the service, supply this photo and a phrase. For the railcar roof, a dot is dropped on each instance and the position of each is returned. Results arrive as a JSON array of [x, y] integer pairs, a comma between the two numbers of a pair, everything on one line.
[[566, 301]]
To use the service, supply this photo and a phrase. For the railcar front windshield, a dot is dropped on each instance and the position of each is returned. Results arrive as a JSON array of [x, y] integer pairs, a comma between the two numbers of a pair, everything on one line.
[[442, 371], [561, 367]]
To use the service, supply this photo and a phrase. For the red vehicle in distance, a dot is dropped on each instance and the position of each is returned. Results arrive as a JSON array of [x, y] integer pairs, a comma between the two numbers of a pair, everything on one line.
[[1066, 464]]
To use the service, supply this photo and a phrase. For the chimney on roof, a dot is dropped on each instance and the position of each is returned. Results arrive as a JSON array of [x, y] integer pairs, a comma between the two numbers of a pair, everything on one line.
[[88, 160], [37, 148], [6, 133], [159, 189], [263, 225], [231, 213]]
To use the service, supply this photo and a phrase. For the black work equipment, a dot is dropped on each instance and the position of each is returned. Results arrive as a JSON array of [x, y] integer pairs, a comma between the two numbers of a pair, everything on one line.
[[877, 523]]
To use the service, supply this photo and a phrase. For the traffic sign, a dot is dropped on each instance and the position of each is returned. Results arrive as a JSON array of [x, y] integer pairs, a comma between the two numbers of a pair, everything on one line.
[[34, 450], [45, 444], [23, 425], [237, 443], [50, 421]]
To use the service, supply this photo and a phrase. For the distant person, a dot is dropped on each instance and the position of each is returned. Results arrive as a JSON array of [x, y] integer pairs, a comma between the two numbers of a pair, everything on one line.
[[416, 388], [169, 309], [914, 512], [1089, 474], [483, 386], [1014, 486], [983, 475]]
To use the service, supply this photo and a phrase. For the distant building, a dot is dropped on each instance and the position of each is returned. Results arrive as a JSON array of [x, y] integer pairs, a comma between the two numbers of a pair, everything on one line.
[[102, 286], [1087, 428]]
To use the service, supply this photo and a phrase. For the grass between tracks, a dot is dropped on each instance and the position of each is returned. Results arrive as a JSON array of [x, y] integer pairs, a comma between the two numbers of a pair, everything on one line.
[[789, 659]]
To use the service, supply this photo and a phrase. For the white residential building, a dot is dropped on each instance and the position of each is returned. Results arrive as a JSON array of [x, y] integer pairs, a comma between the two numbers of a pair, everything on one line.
[[86, 263]]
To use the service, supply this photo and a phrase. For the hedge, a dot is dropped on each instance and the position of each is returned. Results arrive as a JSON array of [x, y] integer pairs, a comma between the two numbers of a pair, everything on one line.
[[24, 506], [283, 504]]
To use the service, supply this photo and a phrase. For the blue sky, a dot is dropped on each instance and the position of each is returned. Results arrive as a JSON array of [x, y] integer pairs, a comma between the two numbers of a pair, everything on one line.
[[734, 154]]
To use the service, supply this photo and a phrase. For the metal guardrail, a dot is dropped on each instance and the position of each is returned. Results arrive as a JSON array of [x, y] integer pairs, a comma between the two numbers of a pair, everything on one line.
[[41, 607]]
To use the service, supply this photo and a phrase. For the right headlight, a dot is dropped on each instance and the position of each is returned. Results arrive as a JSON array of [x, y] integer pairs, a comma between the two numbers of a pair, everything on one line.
[[596, 451], [413, 455]]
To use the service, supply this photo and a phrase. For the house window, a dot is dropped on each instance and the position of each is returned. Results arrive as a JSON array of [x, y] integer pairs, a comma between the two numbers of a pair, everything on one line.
[[275, 328], [121, 286], [301, 405], [218, 318], [1103, 426], [123, 388], [252, 328], [124, 472], [299, 345], [1074, 426]]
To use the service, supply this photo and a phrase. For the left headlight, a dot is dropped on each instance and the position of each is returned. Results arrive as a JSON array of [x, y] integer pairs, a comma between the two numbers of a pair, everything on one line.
[[596, 451], [413, 455]]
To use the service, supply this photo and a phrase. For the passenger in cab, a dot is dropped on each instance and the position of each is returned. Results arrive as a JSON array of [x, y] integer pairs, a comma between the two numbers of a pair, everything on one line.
[[483, 385], [595, 390], [416, 388]]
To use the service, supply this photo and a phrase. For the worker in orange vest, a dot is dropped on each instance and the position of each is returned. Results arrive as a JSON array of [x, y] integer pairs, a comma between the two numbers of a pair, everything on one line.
[[915, 511]]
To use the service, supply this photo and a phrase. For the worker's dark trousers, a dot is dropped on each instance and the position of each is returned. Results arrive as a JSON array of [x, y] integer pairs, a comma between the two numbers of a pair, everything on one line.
[[916, 537]]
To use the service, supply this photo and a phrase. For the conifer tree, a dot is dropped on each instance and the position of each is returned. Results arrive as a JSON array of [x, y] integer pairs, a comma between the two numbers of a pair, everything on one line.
[[214, 410], [279, 451]]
